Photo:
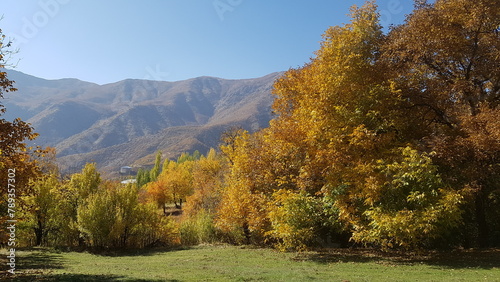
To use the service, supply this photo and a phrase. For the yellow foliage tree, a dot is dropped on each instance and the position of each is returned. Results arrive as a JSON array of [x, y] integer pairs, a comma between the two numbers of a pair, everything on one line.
[[113, 217], [242, 210], [349, 116], [445, 61], [72, 195], [208, 177], [296, 219], [178, 180]]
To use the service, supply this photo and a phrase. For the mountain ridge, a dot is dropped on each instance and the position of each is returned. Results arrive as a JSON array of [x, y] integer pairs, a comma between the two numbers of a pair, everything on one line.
[[126, 122]]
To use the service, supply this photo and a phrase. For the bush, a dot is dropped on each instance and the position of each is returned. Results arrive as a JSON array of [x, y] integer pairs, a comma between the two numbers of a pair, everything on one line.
[[198, 229], [296, 220], [113, 217]]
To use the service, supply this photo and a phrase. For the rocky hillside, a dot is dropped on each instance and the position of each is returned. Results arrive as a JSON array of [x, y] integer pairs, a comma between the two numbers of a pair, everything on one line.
[[126, 122]]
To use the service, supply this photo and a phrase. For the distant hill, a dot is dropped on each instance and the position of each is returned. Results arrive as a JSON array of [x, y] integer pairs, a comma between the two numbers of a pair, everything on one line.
[[126, 122]]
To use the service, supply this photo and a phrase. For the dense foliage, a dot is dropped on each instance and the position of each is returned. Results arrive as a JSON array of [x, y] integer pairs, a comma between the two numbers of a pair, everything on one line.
[[386, 140], [394, 137]]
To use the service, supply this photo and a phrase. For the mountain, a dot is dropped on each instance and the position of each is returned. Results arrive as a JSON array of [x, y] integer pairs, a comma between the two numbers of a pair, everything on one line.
[[127, 122]]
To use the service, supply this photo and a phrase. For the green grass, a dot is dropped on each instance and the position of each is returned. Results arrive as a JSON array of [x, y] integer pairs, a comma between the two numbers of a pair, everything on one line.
[[230, 263]]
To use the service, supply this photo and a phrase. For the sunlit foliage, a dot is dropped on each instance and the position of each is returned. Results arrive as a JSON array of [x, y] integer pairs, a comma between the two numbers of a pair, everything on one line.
[[383, 140]]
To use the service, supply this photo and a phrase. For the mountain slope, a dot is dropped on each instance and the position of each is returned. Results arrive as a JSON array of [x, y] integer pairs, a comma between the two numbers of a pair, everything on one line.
[[126, 122]]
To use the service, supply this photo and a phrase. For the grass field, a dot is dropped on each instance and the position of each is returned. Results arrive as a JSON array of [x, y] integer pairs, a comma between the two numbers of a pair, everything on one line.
[[230, 263]]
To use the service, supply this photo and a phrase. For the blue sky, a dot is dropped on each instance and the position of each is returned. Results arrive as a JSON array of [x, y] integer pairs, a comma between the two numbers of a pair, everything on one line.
[[105, 41]]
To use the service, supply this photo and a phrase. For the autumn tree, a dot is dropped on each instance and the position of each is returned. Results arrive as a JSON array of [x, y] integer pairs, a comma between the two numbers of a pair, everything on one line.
[[409, 204], [351, 117], [444, 60], [395, 132], [16, 157], [40, 212], [156, 193], [178, 182], [297, 220], [340, 109], [74, 194], [248, 188], [208, 178], [197, 222], [173, 185], [228, 142], [113, 217], [96, 217]]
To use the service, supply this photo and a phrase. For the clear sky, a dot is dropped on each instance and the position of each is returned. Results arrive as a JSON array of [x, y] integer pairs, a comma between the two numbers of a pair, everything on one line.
[[105, 41]]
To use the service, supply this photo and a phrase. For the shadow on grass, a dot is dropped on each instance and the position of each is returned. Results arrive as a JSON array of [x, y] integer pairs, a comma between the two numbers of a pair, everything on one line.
[[33, 264], [462, 259], [38, 264], [325, 256], [69, 277], [133, 252], [484, 259], [39, 259]]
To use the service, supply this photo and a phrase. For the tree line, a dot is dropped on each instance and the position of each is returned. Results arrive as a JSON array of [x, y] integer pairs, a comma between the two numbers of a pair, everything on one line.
[[388, 140]]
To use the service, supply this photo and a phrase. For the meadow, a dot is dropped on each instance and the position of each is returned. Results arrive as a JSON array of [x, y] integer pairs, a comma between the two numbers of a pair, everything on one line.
[[237, 263]]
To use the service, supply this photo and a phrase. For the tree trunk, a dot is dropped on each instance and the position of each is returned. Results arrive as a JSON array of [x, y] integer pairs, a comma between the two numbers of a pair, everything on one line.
[[246, 232], [39, 233], [125, 237], [482, 224]]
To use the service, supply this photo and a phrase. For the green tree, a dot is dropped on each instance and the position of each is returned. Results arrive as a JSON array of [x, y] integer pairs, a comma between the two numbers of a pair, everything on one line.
[[143, 177], [184, 157], [155, 171]]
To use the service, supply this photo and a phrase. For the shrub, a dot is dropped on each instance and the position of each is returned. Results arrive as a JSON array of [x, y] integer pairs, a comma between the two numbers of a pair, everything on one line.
[[113, 217], [295, 219], [198, 229]]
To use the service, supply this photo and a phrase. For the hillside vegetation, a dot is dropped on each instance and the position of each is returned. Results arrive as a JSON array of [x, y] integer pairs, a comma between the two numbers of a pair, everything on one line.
[[125, 123]]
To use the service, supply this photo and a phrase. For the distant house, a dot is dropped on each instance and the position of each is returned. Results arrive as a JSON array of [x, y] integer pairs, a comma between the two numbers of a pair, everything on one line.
[[126, 170], [129, 181]]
